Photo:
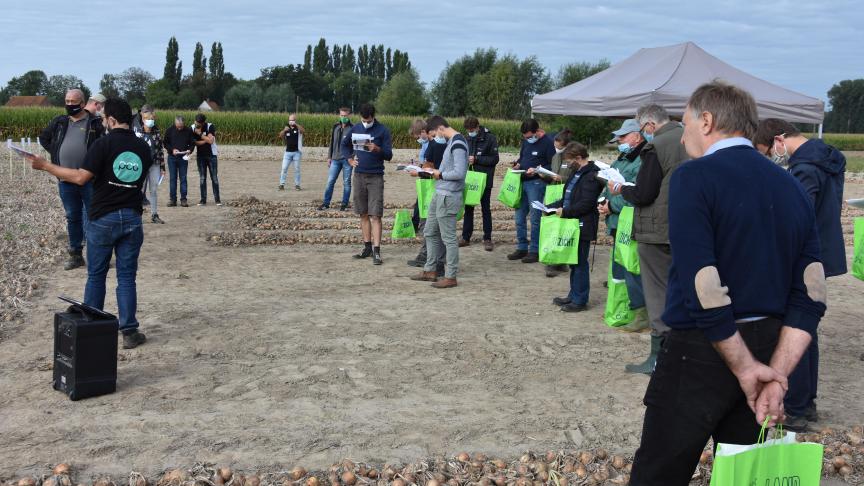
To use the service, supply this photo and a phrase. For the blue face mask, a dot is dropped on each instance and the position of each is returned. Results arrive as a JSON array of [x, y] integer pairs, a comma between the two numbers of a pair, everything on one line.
[[624, 148], [472, 134], [532, 139], [648, 137], [440, 140]]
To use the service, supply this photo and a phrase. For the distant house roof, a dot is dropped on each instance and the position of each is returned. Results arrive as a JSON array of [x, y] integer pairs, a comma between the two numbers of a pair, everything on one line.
[[208, 105], [28, 101]]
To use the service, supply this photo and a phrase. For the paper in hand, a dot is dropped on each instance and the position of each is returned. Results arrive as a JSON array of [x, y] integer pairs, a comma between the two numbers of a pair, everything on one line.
[[613, 175], [544, 171], [542, 207], [161, 177], [20, 151], [409, 168]]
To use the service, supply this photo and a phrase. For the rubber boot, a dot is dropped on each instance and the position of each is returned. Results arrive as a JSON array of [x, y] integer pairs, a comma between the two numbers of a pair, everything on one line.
[[75, 260], [647, 366]]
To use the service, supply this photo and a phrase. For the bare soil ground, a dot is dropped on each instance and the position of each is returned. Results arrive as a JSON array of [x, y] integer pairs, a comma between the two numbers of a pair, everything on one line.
[[266, 356]]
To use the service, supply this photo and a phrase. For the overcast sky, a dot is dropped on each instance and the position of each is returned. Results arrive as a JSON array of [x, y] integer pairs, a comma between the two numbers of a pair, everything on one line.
[[806, 46]]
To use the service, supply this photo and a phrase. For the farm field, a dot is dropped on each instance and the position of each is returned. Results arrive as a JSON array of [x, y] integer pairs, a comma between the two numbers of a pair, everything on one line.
[[262, 357]]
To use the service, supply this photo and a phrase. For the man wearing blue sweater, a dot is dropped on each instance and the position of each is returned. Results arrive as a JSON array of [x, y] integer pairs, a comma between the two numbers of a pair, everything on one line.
[[746, 291], [373, 146], [537, 151]]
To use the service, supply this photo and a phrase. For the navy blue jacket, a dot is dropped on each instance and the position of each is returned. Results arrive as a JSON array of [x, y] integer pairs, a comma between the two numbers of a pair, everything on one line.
[[369, 162], [821, 169], [739, 212], [535, 154]]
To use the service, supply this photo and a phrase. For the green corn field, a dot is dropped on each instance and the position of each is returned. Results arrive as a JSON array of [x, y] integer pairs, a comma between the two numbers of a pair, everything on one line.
[[251, 128], [254, 128]]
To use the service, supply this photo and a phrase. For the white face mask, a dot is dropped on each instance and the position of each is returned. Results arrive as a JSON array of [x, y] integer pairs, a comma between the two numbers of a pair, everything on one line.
[[149, 123], [558, 151], [368, 125], [292, 122]]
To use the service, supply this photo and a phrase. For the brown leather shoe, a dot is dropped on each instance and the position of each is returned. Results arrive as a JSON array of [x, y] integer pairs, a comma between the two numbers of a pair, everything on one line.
[[444, 283], [464, 243], [488, 245], [425, 277]]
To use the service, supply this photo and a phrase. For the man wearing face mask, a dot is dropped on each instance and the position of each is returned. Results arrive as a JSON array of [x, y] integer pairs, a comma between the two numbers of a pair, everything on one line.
[[432, 158], [630, 145], [67, 139], [179, 142], [96, 104], [337, 162], [821, 170], [117, 165], [537, 150], [368, 164], [482, 157], [650, 197], [293, 136]]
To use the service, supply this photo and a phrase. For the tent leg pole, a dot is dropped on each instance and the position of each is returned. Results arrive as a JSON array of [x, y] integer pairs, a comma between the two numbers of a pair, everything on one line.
[[820, 130]]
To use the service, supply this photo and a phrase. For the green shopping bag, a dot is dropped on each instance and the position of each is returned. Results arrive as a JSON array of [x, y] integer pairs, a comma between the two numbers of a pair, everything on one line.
[[554, 193], [559, 240], [858, 256], [511, 189], [780, 461], [402, 226], [617, 312], [626, 252], [425, 191], [475, 184]]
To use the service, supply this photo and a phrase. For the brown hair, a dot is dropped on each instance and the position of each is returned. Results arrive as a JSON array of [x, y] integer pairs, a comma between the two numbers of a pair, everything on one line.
[[770, 128], [564, 137], [573, 150], [417, 126], [733, 109], [435, 122], [471, 122]]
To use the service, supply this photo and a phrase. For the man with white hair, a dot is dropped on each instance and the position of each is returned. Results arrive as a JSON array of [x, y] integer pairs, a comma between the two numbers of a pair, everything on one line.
[[96, 104], [650, 198], [67, 139]]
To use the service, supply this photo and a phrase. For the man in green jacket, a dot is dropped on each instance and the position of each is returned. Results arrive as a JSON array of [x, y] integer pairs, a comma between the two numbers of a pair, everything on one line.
[[650, 196], [630, 145]]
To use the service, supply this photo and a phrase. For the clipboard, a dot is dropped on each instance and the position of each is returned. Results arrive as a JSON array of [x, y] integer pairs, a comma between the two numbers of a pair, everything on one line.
[[87, 309]]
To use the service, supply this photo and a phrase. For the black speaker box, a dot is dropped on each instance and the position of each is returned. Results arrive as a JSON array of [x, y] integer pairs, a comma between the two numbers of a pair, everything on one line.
[[85, 352]]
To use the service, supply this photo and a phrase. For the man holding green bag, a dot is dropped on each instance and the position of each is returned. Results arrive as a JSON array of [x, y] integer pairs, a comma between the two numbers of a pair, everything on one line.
[[446, 205], [746, 291], [630, 145], [555, 187], [482, 158]]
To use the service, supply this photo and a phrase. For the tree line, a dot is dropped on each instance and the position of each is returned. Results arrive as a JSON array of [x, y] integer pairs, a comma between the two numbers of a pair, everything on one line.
[[484, 84]]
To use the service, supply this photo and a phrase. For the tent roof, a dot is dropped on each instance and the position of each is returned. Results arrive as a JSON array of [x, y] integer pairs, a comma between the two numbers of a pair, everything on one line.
[[668, 76]]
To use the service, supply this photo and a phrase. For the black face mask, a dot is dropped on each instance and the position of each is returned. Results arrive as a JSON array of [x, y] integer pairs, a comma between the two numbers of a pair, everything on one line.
[[73, 110]]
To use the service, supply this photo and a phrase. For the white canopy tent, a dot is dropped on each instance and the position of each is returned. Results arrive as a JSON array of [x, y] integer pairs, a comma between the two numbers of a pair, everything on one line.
[[667, 76]]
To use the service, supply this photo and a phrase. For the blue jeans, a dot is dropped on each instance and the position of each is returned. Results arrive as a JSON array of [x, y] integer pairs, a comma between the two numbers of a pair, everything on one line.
[[288, 159], [335, 167], [210, 163], [177, 167], [633, 281], [580, 276], [532, 190], [76, 203], [803, 381], [119, 232]]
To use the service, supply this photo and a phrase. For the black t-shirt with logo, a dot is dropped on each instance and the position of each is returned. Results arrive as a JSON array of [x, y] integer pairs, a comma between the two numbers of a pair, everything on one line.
[[119, 163], [292, 139]]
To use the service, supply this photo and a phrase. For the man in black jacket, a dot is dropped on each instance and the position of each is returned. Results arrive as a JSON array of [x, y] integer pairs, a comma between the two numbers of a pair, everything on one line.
[[482, 157], [67, 139], [179, 141]]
